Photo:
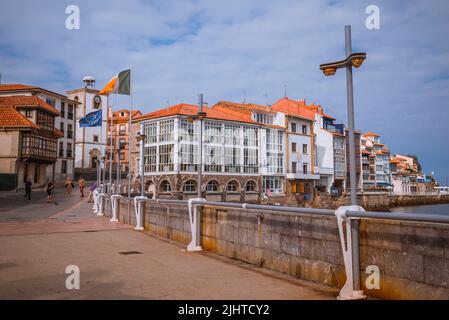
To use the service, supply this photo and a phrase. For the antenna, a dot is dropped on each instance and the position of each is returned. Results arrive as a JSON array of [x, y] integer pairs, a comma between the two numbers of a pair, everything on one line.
[[285, 90], [0, 78], [244, 96]]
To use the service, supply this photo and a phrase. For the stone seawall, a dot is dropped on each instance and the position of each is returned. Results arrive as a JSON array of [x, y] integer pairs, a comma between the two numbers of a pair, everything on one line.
[[380, 201], [413, 258]]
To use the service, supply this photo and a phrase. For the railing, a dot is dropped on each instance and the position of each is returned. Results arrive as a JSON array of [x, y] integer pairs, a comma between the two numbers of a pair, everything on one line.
[[347, 221]]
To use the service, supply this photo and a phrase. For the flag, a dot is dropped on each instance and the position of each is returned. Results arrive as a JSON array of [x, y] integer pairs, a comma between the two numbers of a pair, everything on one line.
[[92, 119], [120, 83]]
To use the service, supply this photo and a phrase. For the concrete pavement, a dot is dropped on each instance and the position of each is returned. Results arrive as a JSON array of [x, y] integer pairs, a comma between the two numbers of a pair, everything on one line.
[[36, 248]]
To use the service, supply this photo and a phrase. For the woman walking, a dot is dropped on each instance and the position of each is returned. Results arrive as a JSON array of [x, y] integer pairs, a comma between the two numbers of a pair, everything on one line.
[[69, 185]]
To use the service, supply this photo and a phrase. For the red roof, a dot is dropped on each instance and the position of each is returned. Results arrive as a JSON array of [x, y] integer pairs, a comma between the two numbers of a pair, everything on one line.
[[11, 118], [370, 134], [286, 103], [14, 87], [294, 108], [189, 110], [28, 102]]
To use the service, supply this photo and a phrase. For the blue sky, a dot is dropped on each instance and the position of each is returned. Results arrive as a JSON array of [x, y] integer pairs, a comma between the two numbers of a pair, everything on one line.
[[179, 48]]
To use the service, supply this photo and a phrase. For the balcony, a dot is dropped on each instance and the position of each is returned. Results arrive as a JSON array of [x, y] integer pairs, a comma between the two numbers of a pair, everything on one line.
[[324, 170], [303, 176]]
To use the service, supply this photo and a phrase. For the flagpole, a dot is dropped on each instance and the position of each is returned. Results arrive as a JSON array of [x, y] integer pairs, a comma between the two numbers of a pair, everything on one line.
[[130, 137], [111, 126]]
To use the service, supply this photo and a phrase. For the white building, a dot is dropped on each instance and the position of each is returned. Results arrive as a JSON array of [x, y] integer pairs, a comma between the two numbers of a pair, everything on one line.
[[90, 143], [375, 162], [64, 165]]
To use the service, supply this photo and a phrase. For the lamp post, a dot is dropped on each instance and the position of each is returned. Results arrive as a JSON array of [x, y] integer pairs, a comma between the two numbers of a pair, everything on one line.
[[199, 116], [329, 69], [141, 138]]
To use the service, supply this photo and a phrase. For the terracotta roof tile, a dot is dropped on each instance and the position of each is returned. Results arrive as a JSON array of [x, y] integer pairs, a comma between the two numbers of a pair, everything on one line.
[[189, 110], [11, 118], [28, 101], [294, 108], [370, 134]]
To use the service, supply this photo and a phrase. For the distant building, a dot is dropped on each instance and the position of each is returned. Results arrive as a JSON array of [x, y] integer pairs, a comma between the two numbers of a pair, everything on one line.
[[300, 151], [90, 143], [65, 123], [375, 162], [119, 133], [29, 140]]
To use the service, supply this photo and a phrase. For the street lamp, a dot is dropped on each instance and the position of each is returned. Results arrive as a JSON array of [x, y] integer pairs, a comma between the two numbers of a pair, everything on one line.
[[199, 116], [352, 60], [140, 137]]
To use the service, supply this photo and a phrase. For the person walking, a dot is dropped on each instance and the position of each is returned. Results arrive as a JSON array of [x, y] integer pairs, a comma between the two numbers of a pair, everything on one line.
[[81, 183], [69, 185], [28, 184], [50, 189], [92, 188]]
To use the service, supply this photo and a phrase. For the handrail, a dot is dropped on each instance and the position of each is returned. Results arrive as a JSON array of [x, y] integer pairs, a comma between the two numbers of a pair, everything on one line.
[[418, 217]]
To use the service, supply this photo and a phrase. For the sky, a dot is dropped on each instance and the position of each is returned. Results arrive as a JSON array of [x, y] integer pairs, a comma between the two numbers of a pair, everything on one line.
[[177, 49]]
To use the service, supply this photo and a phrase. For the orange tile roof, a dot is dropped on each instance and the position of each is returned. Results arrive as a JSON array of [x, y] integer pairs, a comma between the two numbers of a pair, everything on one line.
[[294, 108], [189, 110], [29, 102], [11, 118], [313, 108], [116, 114], [370, 134], [245, 107], [13, 87]]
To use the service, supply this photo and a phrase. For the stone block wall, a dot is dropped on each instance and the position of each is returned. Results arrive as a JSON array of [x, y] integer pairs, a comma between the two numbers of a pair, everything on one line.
[[413, 257]]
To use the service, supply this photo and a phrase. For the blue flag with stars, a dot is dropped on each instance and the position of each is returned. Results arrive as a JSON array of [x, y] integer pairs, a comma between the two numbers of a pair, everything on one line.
[[92, 119]]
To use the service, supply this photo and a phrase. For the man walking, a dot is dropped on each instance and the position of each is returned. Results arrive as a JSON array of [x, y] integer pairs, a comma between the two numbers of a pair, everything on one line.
[[28, 188]]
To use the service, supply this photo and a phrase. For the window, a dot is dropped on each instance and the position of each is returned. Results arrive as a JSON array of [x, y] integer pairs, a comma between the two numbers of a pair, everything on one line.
[[263, 118], [122, 155], [150, 130], [29, 113], [293, 146], [232, 159], [232, 134], [69, 131], [70, 112], [293, 127], [304, 129], [272, 184], [212, 132], [150, 159], [187, 131], [61, 148], [232, 186], [250, 158], [212, 157], [166, 130], [304, 168], [122, 129], [212, 186], [45, 120], [304, 148], [189, 186], [250, 137], [62, 110], [69, 150], [50, 102], [33, 144], [165, 186], [293, 167], [64, 166], [122, 143], [61, 127], [250, 186], [166, 158], [95, 138], [188, 157]]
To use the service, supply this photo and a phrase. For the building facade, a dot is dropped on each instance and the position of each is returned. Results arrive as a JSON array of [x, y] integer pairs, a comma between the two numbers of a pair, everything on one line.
[[29, 140], [375, 162], [90, 143], [65, 123]]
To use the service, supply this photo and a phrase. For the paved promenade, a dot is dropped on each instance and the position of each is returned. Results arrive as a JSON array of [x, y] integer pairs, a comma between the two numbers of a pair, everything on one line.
[[39, 240]]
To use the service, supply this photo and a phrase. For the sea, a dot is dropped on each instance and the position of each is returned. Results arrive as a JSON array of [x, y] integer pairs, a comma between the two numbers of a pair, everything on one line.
[[430, 209]]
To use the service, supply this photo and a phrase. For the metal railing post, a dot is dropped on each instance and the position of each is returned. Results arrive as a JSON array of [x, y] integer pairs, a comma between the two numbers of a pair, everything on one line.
[[115, 204], [139, 210], [350, 250], [195, 224]]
